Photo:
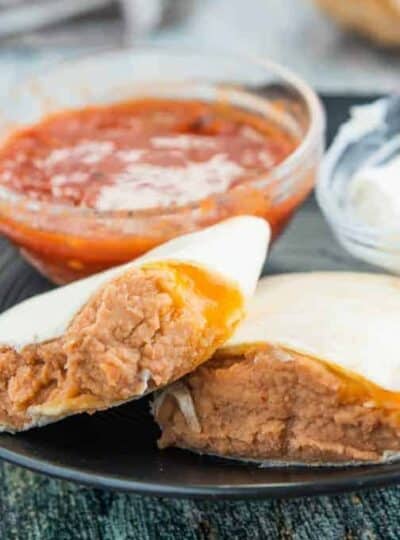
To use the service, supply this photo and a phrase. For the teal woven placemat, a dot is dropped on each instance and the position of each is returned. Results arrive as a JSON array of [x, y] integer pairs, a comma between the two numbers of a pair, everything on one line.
[[34, 507]]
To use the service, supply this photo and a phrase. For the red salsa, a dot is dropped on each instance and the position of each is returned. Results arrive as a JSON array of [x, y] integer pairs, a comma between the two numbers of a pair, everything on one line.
[[145, 156], [141, 155]]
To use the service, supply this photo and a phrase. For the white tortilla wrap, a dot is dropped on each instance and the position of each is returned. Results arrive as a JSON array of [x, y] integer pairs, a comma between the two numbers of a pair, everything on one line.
[[349, 319], [116, 335], [235, 249]]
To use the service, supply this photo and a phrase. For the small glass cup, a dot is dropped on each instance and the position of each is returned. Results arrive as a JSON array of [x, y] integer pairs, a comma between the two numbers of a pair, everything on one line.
[[369, 138], [67, 243]]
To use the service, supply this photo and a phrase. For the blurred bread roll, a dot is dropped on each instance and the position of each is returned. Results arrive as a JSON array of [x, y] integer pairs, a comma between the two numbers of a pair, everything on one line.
[[378, 20]]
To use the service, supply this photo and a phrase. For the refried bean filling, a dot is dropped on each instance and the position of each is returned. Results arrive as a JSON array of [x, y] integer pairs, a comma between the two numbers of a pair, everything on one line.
[[271, 403], [144, 329]]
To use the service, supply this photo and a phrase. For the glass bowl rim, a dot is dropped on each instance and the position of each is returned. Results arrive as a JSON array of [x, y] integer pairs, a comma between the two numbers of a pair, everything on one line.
[[341, 222], [315, 130]]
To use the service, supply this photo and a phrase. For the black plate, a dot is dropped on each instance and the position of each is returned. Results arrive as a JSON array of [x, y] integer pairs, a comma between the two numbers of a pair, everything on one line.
[[117, 448]]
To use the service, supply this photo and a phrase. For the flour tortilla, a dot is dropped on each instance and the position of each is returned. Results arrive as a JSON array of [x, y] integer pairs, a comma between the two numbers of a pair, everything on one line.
[[234, 249], [349, 319]]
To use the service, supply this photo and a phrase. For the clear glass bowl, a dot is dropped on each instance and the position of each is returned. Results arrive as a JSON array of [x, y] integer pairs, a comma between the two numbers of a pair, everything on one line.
[[370, 137], [66, 243]]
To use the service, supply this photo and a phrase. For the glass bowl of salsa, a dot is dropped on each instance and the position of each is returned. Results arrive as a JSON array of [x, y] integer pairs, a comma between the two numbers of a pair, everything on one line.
[[105, 157]]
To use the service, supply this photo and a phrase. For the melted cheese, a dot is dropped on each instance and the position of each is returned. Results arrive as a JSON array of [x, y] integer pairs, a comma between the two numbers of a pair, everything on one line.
[[221, 301], [357, 388]]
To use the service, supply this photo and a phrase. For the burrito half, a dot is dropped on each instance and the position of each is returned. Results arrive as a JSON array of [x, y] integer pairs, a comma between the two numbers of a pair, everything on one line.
[[114, 336], [312, 376]]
